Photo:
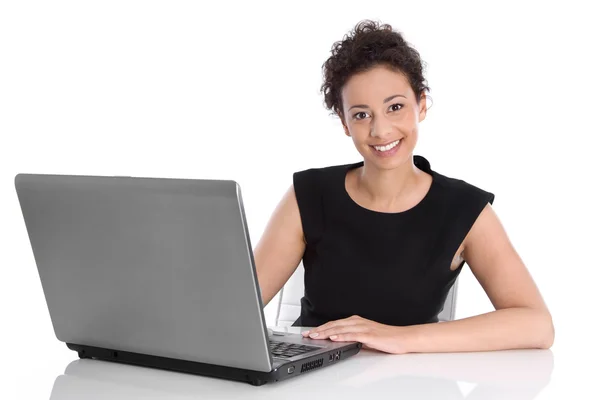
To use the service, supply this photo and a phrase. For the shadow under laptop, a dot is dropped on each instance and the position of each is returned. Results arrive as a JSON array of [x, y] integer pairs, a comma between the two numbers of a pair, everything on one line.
[[519, 374]]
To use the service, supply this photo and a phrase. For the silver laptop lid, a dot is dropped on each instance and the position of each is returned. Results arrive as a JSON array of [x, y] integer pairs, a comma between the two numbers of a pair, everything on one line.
[[148, 265]]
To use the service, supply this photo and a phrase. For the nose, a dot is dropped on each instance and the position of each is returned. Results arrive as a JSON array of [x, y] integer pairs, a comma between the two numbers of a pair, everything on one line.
[[381, 127]]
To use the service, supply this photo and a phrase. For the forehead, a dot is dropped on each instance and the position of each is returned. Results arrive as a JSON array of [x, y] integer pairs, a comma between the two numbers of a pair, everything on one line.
[[376, 84]]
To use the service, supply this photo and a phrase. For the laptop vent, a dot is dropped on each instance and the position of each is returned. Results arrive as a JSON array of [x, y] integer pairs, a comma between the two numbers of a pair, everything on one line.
[[308, 366]]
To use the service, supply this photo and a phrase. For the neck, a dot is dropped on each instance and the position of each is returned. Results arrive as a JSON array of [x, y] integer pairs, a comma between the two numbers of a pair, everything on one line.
[[387, 186]]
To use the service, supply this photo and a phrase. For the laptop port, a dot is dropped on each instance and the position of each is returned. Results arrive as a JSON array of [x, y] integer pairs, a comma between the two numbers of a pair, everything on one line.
[[331, 357]]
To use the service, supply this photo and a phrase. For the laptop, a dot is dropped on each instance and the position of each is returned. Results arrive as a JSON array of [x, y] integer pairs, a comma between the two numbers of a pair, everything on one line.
[[160, 273]]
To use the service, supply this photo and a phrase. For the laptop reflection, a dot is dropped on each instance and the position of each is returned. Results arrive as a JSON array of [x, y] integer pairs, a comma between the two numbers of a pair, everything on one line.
[[515, 374]]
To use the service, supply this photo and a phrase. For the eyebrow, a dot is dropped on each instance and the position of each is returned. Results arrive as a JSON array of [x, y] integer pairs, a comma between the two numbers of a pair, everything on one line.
[[384, 101]]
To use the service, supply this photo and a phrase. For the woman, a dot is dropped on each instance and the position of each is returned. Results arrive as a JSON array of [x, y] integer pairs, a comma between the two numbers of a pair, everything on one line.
[[383, 240]]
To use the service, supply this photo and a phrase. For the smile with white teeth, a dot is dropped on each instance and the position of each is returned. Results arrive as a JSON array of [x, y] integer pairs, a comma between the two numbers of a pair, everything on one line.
[[388, 147]]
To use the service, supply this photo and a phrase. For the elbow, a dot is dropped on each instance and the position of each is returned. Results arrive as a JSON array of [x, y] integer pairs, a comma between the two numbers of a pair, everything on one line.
[[545, 331]]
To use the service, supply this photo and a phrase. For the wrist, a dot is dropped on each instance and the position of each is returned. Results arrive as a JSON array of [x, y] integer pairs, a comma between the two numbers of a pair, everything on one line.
[[408, 338]]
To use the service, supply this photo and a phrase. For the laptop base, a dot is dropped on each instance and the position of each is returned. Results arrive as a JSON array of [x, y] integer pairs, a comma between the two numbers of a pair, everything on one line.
[[255, 378]]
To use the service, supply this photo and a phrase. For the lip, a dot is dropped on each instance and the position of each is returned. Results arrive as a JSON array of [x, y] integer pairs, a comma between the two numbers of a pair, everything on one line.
[[385, 144], [388, 153]]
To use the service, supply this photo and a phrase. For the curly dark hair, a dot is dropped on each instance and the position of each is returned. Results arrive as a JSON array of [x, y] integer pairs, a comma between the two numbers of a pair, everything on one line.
[[370, 44]]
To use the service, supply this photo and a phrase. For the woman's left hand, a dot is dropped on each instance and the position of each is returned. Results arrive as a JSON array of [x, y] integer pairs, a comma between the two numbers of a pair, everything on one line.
[[371, 334]]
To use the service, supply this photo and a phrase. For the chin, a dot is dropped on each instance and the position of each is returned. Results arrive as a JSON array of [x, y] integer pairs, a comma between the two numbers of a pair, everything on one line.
[[387, 162]]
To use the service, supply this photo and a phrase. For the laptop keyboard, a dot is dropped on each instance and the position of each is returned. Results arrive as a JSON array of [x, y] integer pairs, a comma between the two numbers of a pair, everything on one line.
[[287, 350]]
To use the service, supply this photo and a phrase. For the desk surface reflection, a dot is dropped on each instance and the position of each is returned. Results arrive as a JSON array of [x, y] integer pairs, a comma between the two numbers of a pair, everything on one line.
[[514, 374]]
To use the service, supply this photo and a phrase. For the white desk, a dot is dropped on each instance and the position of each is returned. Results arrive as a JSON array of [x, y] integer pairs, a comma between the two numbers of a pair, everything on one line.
[[520, 374]]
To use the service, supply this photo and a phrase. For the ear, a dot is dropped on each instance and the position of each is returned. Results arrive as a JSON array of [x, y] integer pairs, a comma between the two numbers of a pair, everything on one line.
[[422, 107]]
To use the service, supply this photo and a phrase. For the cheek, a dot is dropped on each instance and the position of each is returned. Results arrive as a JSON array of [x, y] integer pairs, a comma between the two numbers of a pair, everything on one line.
[[363, 149], [411, 139], [360, 134], [409, 121], [361, 145]]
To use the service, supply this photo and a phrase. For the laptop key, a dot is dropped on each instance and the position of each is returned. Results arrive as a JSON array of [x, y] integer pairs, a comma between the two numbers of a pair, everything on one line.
[[287, 350]]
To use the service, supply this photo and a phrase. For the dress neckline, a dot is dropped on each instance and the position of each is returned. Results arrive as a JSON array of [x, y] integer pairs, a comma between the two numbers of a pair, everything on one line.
[[420, 162]]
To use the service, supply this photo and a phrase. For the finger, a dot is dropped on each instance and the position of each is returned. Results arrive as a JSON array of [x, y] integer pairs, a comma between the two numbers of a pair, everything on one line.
[[337, 330], [316, 332], [350, 337], [321, 327]]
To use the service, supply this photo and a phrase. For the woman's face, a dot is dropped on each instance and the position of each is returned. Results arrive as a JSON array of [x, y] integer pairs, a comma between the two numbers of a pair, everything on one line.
[[380, 108]]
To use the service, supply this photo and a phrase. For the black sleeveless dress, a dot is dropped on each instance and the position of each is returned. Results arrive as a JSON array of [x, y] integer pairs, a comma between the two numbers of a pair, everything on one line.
[[393, 268]]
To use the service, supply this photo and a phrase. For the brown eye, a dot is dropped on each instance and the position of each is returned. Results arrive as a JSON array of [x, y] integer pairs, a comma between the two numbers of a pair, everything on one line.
[[400, 106], [359, 113]]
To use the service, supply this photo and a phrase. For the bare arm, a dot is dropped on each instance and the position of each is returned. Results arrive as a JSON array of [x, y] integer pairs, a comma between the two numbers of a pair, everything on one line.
[[280, 249], [521, 319]]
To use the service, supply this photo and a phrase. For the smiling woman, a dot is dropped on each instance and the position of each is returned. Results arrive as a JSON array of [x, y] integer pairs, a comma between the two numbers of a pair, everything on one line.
[[384, 239]]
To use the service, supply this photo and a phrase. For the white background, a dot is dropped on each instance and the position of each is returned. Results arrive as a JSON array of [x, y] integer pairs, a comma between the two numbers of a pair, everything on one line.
[[231, 90]]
